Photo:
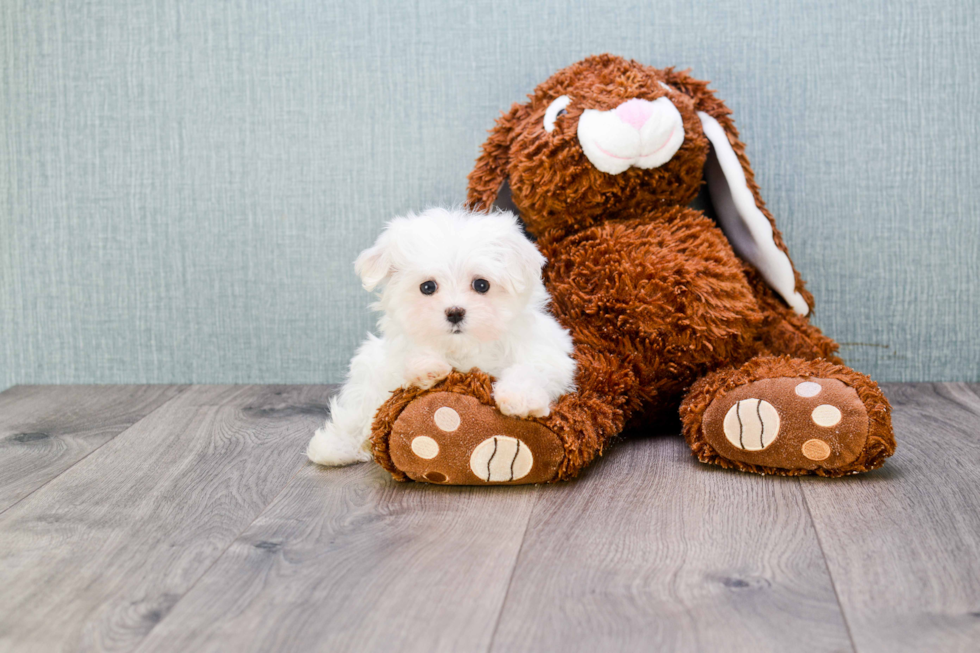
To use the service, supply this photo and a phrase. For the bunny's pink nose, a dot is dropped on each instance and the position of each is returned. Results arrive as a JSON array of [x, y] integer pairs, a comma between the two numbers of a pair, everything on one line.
[[635, 112]]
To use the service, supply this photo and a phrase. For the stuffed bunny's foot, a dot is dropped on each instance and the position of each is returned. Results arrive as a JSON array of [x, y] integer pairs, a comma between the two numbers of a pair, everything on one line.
[[825, 419], [453, 439]]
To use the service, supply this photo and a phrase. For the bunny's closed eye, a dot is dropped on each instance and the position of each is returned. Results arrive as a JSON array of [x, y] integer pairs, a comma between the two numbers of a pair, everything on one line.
[[554, 111]]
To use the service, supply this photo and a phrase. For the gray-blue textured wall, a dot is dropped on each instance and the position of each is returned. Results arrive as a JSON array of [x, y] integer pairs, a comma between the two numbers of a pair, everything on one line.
[[184, 185]]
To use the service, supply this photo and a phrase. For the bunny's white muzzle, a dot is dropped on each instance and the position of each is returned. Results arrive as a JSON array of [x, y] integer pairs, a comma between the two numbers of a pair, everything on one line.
[[637, 133]]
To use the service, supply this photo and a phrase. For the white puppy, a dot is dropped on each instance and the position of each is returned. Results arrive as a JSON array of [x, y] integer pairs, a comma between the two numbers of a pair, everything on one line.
[[460, 291]]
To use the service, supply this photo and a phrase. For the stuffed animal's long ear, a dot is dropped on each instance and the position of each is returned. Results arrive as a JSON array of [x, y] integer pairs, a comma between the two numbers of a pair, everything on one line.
[[741, 213], [490, 172]]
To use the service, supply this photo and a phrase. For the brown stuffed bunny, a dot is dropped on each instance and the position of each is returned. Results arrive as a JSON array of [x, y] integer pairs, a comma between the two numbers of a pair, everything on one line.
[[667, 307]]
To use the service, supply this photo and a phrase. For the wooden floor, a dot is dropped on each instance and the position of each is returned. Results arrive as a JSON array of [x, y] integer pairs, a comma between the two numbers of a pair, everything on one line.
[[186, 518]]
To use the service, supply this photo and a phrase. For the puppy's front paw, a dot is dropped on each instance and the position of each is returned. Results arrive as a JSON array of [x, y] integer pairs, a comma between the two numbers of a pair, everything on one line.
[[426, 372], [521, 399], [331, 450]]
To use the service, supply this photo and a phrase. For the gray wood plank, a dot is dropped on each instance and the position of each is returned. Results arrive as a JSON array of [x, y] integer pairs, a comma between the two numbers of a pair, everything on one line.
[[95, 558], [903, 543], [44, 430], [654, 551], [349, 560]]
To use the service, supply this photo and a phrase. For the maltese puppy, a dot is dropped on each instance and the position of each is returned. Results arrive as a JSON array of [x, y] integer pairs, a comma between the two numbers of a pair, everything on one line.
[[460, 291]]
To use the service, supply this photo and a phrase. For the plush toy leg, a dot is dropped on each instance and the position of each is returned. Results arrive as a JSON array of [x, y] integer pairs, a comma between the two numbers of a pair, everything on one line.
[[789, 416], [453, 434]]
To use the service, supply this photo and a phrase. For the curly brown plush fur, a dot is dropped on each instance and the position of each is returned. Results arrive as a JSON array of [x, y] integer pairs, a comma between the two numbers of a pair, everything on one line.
[[655, 297]]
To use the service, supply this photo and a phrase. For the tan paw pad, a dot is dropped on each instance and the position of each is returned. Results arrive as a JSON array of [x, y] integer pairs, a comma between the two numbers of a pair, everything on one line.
[[446, 419], [826, 415], [808, 389], [751, 424], [500, 459], [816, 449], [425, 447]]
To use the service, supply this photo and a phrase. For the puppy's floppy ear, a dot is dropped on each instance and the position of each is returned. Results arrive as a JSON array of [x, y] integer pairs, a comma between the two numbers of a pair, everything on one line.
[[490, 172], [375, 264], [522, 260], [741, 213]]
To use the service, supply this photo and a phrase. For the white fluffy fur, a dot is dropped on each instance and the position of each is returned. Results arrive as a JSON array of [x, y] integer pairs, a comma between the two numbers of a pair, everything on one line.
[[506, 332]]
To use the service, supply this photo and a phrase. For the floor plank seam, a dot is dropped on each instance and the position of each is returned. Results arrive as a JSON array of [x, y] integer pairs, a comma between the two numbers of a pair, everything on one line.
[[830, 575], [218, 558], [72, 466], [513, 570]]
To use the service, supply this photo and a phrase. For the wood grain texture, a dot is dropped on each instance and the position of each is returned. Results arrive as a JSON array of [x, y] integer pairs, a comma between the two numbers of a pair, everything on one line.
[[44, 430], [202, 527], [349, 560], [98, 556], [903, 543], [654, 551]]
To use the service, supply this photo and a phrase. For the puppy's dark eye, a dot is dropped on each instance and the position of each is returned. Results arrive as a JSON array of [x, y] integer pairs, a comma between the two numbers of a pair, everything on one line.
[[481, 285], [428, 287]]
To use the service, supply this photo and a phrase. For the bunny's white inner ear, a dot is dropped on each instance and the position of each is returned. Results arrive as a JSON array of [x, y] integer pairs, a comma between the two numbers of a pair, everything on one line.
[[745, 225]]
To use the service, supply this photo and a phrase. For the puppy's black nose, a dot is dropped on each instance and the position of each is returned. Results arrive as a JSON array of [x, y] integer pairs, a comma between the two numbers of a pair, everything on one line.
[[455, 314]]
